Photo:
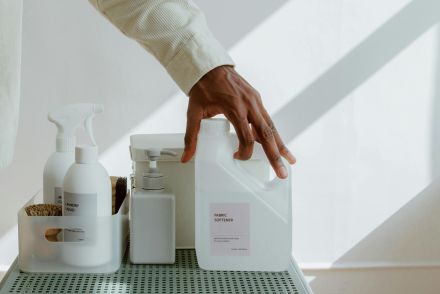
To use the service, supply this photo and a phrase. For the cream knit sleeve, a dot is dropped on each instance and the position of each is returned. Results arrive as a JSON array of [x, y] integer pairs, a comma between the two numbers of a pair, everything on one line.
[[174, 31]]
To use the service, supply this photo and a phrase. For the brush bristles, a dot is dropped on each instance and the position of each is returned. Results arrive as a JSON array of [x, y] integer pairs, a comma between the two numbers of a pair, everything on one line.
[[44, 210]]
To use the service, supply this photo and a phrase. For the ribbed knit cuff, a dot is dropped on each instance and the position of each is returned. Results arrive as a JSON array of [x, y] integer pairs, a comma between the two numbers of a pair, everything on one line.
[[197, 57]]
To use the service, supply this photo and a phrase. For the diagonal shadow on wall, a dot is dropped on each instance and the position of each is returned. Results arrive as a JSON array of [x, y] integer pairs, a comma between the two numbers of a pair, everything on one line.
[[409, 238], [356, 67], [408, 235]]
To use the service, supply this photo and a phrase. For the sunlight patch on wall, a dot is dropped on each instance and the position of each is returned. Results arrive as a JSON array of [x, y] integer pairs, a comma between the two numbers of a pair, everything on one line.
[[367, 157], [300, 41]]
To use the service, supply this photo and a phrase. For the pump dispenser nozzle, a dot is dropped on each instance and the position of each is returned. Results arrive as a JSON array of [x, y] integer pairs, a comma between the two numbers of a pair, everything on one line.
[[153, 179], [69, 118]]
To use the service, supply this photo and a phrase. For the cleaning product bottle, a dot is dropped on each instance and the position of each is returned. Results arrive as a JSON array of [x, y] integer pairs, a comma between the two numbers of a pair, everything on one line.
[[67, 119], [87, 193], [242, 222], [152, 216]]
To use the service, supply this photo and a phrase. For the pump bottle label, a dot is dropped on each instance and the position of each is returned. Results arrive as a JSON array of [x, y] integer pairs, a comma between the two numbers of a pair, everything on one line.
[[230, 232]]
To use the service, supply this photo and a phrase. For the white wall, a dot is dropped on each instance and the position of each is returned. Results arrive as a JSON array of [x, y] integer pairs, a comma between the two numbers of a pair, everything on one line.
[[352, 85]]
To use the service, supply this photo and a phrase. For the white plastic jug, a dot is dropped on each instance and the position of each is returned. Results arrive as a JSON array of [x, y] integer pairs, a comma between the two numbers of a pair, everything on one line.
[[242, 223]]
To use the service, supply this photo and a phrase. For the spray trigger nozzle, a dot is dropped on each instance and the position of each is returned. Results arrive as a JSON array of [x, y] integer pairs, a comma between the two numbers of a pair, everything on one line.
[[69, 118]]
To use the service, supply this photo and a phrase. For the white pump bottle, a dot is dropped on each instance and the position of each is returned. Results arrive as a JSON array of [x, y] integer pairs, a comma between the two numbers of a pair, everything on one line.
[[152, 216], [67, 119]]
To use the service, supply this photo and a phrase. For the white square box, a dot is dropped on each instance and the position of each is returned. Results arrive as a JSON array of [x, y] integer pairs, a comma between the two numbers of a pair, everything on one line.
[[37, 254]]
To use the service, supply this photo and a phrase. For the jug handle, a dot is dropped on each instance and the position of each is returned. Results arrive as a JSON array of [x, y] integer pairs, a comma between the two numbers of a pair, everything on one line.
[[257, 185], [275, 183]]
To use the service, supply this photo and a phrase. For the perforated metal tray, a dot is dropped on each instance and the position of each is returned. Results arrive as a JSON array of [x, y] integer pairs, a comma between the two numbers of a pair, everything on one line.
[[184, 276]]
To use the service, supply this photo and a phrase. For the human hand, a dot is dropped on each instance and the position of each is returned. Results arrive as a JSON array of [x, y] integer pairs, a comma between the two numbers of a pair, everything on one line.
[[224, 91]]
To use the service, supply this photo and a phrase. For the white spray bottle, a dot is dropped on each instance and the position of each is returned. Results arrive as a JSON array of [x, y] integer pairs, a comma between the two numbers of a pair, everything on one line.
[[67, 119]]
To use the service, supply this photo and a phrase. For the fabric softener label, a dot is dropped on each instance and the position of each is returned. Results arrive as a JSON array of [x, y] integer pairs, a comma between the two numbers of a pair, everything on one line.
[[230, 229], [78, 205]]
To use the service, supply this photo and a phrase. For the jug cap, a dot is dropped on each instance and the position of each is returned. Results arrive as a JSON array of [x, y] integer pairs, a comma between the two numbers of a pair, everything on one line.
[[214, 126]]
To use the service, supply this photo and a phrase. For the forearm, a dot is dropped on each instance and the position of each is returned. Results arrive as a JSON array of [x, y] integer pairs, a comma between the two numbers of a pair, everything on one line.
[[174, 31]]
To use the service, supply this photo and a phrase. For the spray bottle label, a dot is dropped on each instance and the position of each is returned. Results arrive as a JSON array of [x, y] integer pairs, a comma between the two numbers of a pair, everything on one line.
[[58, 195], [75, 204], [229, 223], [80, 204]]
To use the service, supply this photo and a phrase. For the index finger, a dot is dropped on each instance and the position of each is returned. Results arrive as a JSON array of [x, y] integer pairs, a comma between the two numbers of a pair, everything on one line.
[[192, 130]]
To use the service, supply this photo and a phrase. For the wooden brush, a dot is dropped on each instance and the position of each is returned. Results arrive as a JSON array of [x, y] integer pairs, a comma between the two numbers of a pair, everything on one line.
[[46, 210], [113, 180], [120, 192]]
